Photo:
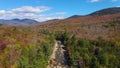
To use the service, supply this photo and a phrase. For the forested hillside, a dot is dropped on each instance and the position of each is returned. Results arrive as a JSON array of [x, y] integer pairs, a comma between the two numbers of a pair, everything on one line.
[[86, 53], [24, 47]]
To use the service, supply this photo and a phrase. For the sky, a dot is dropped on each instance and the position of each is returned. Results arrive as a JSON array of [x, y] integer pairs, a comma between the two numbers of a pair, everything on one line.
[[42, 10]]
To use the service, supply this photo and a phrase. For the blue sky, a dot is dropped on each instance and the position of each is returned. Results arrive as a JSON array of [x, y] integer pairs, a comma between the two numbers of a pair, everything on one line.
[[42, 10]]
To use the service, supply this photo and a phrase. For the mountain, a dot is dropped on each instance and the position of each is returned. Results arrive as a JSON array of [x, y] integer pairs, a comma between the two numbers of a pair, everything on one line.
[[114, 10], [18, 22], [89, 26], [107, 11]]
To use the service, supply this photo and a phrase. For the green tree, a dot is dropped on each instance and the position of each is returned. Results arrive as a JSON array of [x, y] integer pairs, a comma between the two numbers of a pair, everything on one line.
[[83, 43], [94, 63], [87, 59], [104, 59]]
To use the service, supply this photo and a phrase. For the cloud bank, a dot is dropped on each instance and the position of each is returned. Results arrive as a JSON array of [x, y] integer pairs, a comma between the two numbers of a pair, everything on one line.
[[95, 0], [101, 0], [37, 13], [114, 0]]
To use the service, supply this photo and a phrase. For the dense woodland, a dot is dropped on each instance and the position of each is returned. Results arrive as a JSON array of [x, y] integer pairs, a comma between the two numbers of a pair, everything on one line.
[[28, 48], [90, 53], [24, 48]]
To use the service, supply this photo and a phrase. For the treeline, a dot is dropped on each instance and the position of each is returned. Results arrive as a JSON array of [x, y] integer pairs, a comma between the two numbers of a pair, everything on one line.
[[86, 53]]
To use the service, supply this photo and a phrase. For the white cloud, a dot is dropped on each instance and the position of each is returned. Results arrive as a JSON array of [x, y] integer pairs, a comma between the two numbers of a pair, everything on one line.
[[2, 11], [117, 6], [113, 0], [101, 0], [95, 0], [31, 13], [30, 9]]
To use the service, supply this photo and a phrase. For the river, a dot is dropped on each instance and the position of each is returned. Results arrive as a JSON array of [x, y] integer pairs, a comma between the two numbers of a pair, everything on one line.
[[58, 58]]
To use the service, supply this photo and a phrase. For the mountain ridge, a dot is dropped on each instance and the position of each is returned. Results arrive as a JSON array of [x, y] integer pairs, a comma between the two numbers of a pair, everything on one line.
[[18, 22], [96, 25], [105, 11]]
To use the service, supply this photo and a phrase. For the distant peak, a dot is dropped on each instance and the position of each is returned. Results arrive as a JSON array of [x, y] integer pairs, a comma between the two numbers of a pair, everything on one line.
[[75, 16], [16, 19], [113, 10], [16, 22]]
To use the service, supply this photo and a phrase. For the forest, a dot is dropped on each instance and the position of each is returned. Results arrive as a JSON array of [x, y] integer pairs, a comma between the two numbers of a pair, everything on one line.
[[86, 53], [24, 48]]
